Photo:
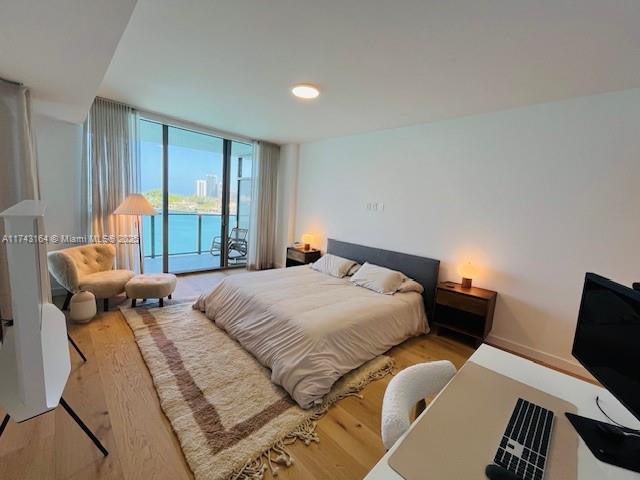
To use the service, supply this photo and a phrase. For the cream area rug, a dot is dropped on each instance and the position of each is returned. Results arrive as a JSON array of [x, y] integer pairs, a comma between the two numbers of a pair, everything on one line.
[[231, 421]]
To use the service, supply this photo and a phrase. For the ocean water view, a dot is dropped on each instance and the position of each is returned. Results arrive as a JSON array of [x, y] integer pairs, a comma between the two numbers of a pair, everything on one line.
[[183, 232]]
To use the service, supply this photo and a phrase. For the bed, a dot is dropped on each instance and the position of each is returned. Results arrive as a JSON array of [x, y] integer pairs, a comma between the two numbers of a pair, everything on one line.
[[311, 328]]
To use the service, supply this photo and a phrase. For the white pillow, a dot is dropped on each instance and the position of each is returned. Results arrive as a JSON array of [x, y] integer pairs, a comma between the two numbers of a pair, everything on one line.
[[378, 279], [410, 286], [333, 265]]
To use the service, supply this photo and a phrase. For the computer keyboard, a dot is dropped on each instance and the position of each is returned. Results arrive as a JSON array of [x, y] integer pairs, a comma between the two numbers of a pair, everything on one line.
[[525, 443]]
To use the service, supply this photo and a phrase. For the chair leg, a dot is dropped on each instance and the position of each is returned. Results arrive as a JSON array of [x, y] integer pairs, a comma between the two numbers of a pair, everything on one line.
[[133, 303], [106, 305], [73, 344], [84, 428], [65, 305], [161, 302]]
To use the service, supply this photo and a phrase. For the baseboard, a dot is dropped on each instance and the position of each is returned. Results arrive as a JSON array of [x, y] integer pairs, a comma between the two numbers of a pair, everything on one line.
[[538, 356]]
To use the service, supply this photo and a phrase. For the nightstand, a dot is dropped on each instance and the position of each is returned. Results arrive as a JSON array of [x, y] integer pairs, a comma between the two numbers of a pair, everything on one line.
[[465, 310], [297, 256]]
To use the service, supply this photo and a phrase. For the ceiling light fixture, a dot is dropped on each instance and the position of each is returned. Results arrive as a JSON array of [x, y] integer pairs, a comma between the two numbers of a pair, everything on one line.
[[305, 90]]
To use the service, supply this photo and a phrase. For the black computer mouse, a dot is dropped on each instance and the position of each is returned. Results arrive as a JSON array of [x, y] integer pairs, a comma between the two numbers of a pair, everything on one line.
[[496, 472]]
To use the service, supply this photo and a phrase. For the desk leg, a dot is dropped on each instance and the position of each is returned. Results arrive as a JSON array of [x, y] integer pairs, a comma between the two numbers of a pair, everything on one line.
[[84, 428], [4, 423], [84, 359]]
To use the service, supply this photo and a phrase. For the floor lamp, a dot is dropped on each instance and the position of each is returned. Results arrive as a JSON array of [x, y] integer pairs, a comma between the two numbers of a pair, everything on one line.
[[136, 204]]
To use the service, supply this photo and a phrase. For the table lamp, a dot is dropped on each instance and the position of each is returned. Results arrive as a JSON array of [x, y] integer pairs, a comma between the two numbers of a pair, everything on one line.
[[468, 272], [136, 204], [307, 239]]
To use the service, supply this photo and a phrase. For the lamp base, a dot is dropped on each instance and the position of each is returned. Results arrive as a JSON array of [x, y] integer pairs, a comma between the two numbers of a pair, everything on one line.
[[466, 282], [140, 256], [307, 247]]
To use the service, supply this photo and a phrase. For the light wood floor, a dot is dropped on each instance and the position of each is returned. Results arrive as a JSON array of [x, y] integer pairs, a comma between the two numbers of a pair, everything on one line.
[[113, 393]]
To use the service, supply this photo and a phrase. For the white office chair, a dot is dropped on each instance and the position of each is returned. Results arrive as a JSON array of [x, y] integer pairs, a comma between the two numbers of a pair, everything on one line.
[[405, 390]]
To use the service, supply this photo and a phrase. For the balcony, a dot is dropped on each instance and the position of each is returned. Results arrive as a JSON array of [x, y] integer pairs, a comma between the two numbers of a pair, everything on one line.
[[190, 239]]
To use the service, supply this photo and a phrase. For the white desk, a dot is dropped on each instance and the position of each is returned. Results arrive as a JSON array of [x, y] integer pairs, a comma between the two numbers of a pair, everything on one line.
[[578, 392]]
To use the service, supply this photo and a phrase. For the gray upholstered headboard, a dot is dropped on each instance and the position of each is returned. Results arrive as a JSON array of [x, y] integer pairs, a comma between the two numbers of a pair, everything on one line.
[[423, 270]]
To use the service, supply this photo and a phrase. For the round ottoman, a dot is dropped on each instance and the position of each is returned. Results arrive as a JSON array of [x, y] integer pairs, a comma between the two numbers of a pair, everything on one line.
[[82, 307], [150, 285]]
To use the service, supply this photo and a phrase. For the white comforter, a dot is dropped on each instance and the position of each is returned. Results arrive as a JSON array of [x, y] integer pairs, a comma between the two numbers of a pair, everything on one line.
[[310, 328]]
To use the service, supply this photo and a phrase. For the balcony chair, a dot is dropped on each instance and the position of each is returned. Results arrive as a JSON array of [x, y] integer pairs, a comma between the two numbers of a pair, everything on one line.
[[236, 245], [89, 268]]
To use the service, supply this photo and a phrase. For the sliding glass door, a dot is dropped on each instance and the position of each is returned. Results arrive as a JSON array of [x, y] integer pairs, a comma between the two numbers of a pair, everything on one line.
[[204, 200], [195, 185], [239, 202]]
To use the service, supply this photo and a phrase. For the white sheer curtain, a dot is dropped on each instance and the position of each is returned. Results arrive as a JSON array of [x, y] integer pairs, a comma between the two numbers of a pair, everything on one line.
[[262, 231], [18, 167], [112, 166]]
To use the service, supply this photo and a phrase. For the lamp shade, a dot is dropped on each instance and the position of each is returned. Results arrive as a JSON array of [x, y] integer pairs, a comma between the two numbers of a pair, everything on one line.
[[467, 270], [135, 204], [307, 238]]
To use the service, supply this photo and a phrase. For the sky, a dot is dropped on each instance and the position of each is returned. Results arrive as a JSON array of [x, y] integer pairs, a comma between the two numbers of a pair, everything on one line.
[[192, 156], [185, 167]]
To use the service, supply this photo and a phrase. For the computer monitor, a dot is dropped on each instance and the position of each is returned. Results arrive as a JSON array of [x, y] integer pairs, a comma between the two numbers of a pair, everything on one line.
[[607, 344], [607, 339]]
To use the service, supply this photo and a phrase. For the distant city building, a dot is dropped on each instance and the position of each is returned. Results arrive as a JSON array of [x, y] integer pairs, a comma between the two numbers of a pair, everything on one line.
[[201, 188], [212, 185]]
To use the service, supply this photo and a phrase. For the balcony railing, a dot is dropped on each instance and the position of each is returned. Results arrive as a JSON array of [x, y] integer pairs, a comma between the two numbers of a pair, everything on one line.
[[189, 233]]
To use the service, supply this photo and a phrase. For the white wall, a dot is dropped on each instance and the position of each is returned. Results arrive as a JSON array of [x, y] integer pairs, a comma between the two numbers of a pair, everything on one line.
[[534, 197], [59, 146], [286, 202], [59, 150]]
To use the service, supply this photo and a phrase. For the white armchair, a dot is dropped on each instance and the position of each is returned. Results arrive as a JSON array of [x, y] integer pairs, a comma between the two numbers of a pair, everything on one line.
[[405, 390], [90, 268]]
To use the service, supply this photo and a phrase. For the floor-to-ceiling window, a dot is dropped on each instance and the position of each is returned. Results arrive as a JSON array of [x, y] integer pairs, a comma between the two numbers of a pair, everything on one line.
[[200, 185], [151, 183]]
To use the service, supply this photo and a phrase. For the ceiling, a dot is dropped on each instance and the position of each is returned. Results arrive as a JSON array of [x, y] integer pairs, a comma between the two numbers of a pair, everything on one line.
[[60, 50], [379, 63]]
